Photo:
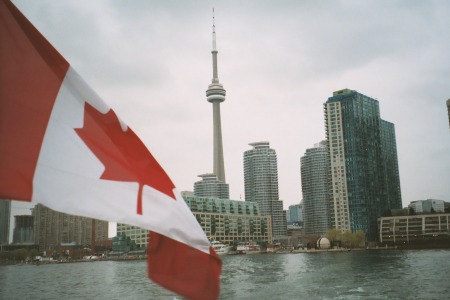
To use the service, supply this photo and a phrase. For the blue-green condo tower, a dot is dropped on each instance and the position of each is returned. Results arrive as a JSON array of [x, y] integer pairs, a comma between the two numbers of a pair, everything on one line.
[[364, 177]]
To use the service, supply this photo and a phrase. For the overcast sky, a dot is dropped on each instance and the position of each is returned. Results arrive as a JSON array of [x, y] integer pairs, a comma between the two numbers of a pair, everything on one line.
[[279, 61]]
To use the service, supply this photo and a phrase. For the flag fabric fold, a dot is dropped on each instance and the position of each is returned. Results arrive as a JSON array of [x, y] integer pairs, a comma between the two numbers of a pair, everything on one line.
[[61, 145]]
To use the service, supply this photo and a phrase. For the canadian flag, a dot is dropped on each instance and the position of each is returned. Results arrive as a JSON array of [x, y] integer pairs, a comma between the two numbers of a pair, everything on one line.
[[62, 146]]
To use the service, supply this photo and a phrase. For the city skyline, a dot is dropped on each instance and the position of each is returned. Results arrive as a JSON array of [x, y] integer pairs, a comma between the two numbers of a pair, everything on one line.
[[280, 63]]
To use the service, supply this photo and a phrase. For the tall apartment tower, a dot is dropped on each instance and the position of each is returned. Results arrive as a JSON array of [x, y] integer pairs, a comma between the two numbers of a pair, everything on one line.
[[5, 215], [389, 159], [261, 185], [211, 187], [315, 175], [365, 180], [215, 94]]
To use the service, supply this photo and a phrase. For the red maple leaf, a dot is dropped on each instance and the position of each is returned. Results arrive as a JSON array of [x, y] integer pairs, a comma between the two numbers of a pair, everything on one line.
[[122, 153]]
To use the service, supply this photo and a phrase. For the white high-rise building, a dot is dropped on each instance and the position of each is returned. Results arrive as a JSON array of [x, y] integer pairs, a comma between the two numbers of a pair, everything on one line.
[[261, 185], [315, 169], [211, 187]]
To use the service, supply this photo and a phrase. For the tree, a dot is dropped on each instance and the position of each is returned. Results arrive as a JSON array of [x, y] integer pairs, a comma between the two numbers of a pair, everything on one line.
[[310, 239], [347, 238], [20, 254], [33, 253], [359, 238], [333, 235]]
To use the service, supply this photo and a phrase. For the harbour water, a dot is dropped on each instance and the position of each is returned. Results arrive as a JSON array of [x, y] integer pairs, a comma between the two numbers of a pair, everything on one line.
[[365, 274]]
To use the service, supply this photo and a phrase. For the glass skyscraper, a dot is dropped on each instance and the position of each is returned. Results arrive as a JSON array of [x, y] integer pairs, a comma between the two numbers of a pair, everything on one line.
[[295, 214], [315, 169], [365, 180], [261, 185]]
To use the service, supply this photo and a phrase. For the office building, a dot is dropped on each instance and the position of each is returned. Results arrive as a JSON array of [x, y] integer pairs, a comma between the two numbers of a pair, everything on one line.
[[316, 189], [211, 187], [365, 180], [261, 185], [428, 206], [5, 215], [295, 213], [52, 228]]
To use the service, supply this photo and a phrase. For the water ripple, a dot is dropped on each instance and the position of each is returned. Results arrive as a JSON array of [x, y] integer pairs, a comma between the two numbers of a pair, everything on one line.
[[376, 275]]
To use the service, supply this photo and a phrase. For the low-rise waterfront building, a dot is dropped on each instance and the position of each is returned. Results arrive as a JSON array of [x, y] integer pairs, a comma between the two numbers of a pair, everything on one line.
[[230, 220], [225, 220], [419, 230], [137, 234], [122, 244]]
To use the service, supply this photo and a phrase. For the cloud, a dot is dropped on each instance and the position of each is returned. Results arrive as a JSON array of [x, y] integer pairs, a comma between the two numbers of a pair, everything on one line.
[[279, 62]]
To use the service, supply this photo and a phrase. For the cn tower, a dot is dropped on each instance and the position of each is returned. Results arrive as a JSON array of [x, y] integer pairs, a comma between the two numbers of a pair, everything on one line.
[[216, 94]]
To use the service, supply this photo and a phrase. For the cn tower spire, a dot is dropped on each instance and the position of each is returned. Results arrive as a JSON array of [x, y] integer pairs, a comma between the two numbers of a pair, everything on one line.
[[216, 94], [214, 52]]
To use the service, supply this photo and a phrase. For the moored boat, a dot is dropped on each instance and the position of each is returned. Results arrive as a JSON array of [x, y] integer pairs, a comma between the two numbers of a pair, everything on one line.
[[248, 247], [220, 248]]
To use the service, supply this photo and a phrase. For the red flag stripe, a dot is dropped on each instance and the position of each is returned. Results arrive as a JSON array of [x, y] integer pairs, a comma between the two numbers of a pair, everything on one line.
[[29, 83], [185, 270]]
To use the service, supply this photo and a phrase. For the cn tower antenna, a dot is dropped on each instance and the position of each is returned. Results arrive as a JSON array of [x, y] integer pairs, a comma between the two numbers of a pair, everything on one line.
[[214, 33]]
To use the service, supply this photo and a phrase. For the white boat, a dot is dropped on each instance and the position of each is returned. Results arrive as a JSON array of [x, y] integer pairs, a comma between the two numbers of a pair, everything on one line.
[[220, 248], [249, 247]]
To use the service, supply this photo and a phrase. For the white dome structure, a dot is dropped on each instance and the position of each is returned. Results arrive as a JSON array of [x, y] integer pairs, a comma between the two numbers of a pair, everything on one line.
[[323, 243]]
